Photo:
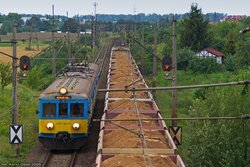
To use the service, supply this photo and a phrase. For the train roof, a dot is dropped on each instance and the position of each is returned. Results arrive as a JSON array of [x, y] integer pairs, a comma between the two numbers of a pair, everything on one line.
[[77, 80], [120, 48]]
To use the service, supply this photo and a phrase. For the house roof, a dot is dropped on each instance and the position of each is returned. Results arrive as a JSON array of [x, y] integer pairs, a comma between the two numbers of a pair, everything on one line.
[[214, 52]]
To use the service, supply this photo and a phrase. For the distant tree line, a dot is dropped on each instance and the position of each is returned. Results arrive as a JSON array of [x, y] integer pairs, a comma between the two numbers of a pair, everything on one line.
[[43, 22]]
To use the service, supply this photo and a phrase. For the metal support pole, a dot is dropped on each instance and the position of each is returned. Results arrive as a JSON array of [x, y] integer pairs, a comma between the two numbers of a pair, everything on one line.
[[142, 51], [37, 42], [174, 91], [94, 25], [14, 86], [78, 30], [93, 36], [154, 60], [53, 40], [69, 47], [31, 31]]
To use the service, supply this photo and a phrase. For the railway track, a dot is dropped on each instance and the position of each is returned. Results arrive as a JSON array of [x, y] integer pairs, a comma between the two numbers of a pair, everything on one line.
[[132, 143], [60, 159], [85, 156]]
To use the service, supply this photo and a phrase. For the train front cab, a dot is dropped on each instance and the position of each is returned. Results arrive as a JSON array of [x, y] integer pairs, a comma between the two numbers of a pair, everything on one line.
[[63, 124]]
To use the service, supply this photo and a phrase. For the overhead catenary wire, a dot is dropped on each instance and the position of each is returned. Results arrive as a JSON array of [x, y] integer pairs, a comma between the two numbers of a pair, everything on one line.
[[142, 136], [241, 117], [245, 82]]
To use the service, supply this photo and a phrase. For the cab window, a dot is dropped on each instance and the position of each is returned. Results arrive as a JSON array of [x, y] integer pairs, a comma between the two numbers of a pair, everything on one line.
[[76, 109], [49, 110], [63, 110]]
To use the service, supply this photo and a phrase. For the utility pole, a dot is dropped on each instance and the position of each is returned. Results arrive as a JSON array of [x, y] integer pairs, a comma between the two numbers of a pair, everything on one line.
[[31, 31], [53, 40], [174, 76], [92, 32], [95, 21], [134, 10], [69, 47], [142, 50], [155, 59], [14, 86], [94, 29], [37, 44], [78, 30]]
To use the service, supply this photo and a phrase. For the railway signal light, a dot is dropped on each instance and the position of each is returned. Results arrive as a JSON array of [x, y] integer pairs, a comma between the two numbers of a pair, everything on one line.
[[25, 63], [166, 63]]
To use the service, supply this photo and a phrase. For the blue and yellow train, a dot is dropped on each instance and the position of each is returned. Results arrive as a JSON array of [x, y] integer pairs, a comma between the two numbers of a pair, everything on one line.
[[66, 107]]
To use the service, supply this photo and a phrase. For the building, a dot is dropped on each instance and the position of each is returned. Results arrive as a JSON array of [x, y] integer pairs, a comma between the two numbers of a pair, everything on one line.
[[25, 18], [233, 17], [209, 52]]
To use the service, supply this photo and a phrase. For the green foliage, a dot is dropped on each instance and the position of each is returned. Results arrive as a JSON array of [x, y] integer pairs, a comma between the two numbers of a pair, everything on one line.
[[5, 75], [184, 56], [27, 117], [220, 142], [230, 63], [242, 52], [70, 25], [195, 32], [204, 65], [201, 93], [37, 78], [230, 46], [162, 50]]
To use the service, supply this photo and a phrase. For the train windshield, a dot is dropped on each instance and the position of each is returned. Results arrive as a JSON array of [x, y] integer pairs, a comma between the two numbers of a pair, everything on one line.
[[63, 110], [49, 110], [76, 109]]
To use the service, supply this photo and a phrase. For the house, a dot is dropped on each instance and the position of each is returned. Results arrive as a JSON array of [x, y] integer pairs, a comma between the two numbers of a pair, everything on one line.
[[25, 18], [233, 17], [209, 52]]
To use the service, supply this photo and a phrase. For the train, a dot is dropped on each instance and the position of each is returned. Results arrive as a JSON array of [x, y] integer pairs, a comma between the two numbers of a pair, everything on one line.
[[66, 107], [132, 132]]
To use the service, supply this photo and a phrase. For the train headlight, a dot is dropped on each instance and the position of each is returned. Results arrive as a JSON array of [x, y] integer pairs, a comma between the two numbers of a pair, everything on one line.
[[50, 125], [76, 126], [63, 91]]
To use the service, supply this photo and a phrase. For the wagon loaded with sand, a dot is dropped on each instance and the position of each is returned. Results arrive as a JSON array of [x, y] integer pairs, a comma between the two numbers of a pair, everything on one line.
[[132, 133]]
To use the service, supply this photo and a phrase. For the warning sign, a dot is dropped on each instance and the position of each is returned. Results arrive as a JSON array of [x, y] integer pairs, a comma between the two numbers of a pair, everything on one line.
[[16, 134], [176, 134]]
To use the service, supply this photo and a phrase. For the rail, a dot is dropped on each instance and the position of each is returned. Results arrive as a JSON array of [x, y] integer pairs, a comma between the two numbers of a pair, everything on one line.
[[57, 158]]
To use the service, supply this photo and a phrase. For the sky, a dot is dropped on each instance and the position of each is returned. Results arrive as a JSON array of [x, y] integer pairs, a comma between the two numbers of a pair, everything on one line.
[[84, 7]]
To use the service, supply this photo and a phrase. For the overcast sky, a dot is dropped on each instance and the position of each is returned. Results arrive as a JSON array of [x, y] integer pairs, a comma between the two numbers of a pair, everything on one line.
[[83, 7]]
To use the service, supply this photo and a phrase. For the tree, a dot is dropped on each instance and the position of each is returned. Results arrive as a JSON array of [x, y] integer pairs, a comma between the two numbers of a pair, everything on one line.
[[5, 75], [195, 33], [242, 52], [230, 46], [184, 56], [71, 24], [230, 63]]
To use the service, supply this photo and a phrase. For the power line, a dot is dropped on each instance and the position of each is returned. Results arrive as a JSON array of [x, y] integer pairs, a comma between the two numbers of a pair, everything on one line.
[[246, 82], [241, 117]]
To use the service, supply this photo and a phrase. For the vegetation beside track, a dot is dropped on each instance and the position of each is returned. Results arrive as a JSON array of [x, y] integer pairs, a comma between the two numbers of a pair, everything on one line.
[[27, 117], [199, 137]]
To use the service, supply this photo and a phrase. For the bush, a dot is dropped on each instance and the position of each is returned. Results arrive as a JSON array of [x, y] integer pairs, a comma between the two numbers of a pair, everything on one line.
[[230, 63], [204, 65], [184, 56]]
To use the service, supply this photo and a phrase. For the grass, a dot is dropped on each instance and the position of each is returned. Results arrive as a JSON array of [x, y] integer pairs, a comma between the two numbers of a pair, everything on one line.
[[27, 118]]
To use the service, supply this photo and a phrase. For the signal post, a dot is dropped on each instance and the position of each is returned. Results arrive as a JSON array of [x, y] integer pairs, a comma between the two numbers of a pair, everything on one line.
[[24, 65]]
